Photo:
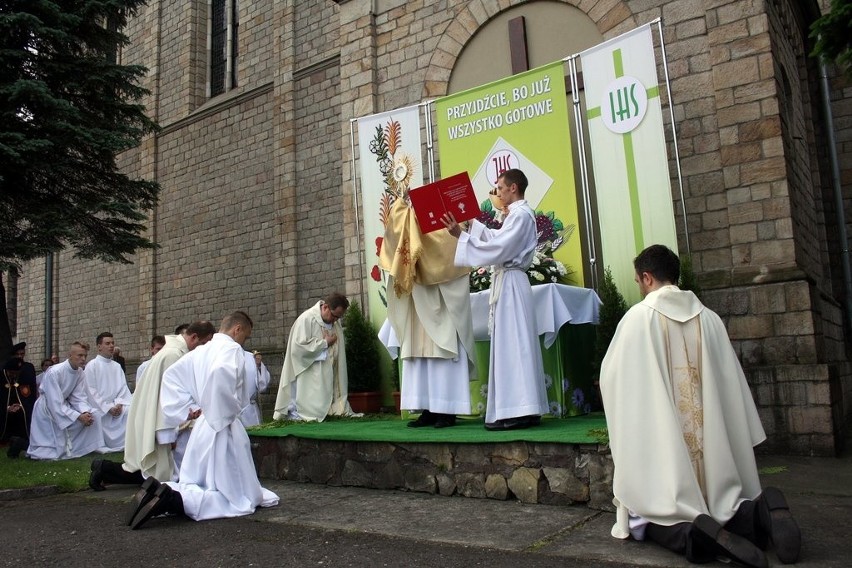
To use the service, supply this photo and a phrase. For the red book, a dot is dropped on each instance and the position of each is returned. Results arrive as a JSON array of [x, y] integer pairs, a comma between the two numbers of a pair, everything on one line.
[[454, 194]]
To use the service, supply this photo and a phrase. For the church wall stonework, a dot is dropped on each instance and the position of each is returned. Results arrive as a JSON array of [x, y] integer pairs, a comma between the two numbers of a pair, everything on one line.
[[258, 209]]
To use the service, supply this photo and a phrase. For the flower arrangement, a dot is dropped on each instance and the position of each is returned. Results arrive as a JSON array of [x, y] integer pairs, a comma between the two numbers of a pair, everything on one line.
[[546, 269]]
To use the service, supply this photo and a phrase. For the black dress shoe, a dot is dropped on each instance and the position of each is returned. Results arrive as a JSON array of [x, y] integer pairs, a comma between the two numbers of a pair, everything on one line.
[[426, 418], [445, 420], [775, 520], [515, 423], [165, 500], [709, 534], [141, 498], [532, 420], [96, 478]]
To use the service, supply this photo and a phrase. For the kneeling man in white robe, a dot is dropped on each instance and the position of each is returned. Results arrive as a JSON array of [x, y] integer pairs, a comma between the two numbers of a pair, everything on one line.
[[109, 393], [217, 477], [682, 426], [65, 425], [313, 381]]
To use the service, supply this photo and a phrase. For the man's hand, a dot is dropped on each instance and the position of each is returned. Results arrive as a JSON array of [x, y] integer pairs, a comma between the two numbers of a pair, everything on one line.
[[450, 223], [115, 410], [330, 338], [86, 418], [193, 414]]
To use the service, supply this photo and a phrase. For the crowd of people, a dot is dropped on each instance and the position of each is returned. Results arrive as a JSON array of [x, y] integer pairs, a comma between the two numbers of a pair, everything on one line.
[[682, 422]]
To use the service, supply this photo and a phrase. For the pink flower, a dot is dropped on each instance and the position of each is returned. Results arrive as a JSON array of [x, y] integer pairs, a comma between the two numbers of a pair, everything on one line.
[[481, 270]]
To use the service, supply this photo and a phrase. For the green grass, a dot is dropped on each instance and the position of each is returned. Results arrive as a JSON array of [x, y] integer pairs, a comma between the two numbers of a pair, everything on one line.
[[772, 470], [68, 475]]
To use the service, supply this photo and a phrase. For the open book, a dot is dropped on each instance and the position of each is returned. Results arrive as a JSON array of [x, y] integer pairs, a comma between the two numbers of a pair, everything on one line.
[[454, 194]]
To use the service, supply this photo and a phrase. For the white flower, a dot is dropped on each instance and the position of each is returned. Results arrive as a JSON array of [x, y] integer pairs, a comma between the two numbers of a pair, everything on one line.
[[555, 409], [548, 381], [538, 276]]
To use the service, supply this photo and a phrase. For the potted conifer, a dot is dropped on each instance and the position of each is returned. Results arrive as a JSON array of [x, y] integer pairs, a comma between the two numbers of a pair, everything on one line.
[[362, 361]]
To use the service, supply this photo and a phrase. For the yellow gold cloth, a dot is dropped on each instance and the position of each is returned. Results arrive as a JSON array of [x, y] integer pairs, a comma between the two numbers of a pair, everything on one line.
[[410, 256]]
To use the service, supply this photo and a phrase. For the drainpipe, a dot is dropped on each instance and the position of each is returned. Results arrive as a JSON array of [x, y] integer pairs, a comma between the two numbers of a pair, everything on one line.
[[48, 306], [838, 194]]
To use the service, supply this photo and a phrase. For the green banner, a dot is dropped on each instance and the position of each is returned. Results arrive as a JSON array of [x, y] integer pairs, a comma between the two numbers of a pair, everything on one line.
[[518, 122]]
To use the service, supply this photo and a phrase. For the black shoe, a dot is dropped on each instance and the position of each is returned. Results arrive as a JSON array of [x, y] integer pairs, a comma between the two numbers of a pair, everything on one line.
[[426, 418], [16, 446], [141, 498], [96, 478], [516, 423], [532, 420], [164, 501], [445, 420], [775, 520], [712, 536]]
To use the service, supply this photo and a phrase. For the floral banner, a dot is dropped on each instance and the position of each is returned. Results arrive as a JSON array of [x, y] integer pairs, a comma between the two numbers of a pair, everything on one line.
[[389, 152]]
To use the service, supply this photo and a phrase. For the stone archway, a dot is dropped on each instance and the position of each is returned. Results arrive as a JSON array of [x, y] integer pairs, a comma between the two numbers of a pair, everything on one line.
[[606, 17]]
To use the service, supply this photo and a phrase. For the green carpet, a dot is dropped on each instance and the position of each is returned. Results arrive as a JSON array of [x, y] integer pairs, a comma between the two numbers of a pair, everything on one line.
[[589, 429]]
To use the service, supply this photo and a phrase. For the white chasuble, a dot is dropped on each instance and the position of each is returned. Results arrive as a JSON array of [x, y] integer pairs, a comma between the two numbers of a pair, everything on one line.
[[682, 422], [433, 334], [143, 452], [314, 380]]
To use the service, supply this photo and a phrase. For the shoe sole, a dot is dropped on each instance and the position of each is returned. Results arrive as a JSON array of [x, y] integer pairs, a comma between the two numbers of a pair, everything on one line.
[[141, 498], [147, 510], [785, 532], [729, 545]]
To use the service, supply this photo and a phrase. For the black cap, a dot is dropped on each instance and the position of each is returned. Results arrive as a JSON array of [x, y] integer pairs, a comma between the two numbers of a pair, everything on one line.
[[18, 346]]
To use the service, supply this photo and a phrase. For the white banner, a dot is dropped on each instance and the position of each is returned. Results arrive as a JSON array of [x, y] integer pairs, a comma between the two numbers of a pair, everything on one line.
[[628, 146], [389, 151]]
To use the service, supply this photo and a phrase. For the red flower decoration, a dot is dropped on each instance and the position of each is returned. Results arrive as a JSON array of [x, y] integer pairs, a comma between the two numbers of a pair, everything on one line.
[[375, 274], [379, 241]]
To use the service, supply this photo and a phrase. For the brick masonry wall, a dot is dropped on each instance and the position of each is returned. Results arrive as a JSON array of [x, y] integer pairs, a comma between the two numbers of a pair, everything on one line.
[[257, 180], [320, 206]]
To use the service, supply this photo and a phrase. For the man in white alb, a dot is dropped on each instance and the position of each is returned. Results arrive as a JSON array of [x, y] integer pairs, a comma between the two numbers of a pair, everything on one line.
[[516, 393], [217, 477], [65, 424], [109, 393]]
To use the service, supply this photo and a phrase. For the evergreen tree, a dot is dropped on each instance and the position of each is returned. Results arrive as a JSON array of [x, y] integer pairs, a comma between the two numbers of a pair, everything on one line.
[[67, 109], [833, 35], [362, 351], [687, 276], [613, 308]]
